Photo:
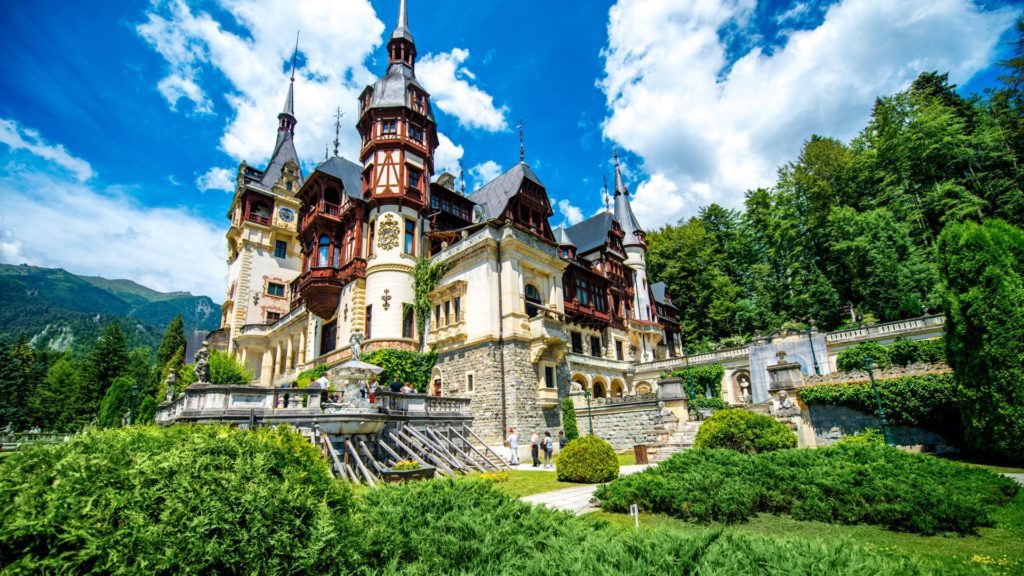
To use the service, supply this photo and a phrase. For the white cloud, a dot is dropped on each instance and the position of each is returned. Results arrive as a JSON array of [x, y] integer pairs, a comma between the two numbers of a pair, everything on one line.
[[484, 172], [445, 77], [106, 232], [571, 214], [18, 138], [249, 42], [447, 156], [704, 137], [216, 179]]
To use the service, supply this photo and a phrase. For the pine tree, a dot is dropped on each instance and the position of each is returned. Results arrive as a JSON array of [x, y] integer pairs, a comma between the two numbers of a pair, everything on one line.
[[982, 283], [174, 338], [116, 403]]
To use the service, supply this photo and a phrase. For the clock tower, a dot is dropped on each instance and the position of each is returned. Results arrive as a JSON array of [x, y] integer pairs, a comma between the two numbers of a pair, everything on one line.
[[264, 256]]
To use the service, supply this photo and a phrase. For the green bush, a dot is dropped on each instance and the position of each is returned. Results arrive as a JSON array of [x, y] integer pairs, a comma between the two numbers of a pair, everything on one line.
[[116, 402], [572, 432], [903, 352], [467, 527], [226, 371], [853, 358], [842, 484], [404, 366], [981, 270], [745, 432], [869, 436], [926, 401], [703, 378], [587, 459], [188, 499], [306, 376], [701, 403]]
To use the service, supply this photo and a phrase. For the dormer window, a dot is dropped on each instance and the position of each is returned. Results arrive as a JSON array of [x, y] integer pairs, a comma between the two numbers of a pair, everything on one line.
[[388, 127]]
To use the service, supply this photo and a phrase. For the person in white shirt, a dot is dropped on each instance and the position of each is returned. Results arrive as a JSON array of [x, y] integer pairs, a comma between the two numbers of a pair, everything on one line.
[[513, 447], [534, 448]]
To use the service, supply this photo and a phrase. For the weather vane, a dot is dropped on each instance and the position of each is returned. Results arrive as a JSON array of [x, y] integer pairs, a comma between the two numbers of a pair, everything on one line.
[[522, 149], [337, 129]]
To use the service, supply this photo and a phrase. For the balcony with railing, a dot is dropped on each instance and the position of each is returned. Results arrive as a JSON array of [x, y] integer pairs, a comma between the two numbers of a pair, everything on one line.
[[423, 405], [320, 288], [321, 209], [258, 219], [453, 329]]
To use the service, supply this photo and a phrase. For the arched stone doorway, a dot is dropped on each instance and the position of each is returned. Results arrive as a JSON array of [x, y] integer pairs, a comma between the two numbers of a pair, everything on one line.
[[618, 388], [600, 387], [643, 387]]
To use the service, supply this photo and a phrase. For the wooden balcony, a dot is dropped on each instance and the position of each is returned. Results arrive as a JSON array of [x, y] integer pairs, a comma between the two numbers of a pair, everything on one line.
[[256, 218], [320, 288], [326, 210]]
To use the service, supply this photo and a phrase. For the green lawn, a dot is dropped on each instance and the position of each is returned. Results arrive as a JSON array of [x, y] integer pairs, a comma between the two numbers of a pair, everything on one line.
[[626, 458], [999, 549], [526, 482], [992, 467]]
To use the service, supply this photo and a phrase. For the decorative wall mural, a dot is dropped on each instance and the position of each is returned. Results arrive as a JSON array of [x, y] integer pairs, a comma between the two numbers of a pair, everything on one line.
[[388, 233]]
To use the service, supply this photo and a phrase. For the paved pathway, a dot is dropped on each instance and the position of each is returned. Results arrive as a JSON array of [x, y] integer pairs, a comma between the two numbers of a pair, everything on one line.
[[577, 498], [1018, 477]]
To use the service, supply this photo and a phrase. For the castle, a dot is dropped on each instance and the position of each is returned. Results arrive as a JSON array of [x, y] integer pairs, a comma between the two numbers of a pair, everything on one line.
[[523, 310]]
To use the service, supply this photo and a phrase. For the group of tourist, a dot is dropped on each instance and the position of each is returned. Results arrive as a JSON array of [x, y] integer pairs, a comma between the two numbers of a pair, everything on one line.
[[537, 444]]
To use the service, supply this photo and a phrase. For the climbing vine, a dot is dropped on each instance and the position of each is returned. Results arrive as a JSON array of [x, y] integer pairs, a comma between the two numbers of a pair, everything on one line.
[[426, 275]]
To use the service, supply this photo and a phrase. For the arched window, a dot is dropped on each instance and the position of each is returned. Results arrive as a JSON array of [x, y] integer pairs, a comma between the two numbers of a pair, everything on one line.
[[324, 260], [533, 301], [599, 390]]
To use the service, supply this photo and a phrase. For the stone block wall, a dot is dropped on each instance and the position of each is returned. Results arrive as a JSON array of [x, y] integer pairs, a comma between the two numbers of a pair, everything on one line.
[[833, 423], [623, 425], [523, 411]]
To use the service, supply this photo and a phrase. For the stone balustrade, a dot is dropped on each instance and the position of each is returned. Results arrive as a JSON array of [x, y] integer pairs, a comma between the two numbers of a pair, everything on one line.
[[209, 398], [423, 404]]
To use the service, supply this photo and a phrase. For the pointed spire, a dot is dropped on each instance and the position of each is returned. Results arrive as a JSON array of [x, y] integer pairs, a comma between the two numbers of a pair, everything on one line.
[[620, 186], [326, 156], [522, 149], [337, 129], [289, 101], [402, 26], [462, 177]]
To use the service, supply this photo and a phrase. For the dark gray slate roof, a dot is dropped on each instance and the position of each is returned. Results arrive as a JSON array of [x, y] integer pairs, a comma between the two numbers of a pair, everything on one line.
[[494, 195], [592, 232], [658, 290], [347, 171], [562, 237], [624, 212], [284, 150], [402, 27]]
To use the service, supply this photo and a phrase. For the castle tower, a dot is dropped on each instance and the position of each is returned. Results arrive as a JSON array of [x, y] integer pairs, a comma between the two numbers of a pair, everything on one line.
[[644, 331], [399, 136], [263, 254]]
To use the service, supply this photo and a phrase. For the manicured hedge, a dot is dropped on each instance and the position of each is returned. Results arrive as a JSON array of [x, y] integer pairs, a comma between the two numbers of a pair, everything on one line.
[[587, 459], [466, 527], [569, 426], [745, 432], [926, 401], [181, 500], [843, 484], [853, 358]]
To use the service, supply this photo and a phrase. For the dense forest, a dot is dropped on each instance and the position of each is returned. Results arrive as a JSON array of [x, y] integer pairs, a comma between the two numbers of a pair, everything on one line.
[[850, 229]]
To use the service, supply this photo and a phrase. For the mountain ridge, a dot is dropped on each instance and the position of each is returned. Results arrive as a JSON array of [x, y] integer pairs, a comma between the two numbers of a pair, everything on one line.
[[56, 308]]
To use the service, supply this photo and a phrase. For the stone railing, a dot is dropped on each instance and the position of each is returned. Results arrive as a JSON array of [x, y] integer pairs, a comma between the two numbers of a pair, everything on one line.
[[423, 404], [578, 360], [548, 325], [631, 399], [880, 374], [717, 356], [209, 398], [254, 330], [15, 440], [888, 329], [301, 308]]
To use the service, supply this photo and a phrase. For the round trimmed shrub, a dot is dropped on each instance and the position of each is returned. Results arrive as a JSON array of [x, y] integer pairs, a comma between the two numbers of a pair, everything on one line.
[[744, 431], [176, 500], [853, 359], [587, 459]]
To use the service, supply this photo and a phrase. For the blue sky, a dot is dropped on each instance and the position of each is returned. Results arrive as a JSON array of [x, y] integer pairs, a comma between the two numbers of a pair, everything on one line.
[[121, 124]]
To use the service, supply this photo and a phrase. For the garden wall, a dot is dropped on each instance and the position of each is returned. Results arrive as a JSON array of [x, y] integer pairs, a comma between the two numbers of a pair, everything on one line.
[[833, 423]]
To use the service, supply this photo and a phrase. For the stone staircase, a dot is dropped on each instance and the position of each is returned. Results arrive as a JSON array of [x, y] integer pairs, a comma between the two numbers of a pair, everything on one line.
[[671, 437]]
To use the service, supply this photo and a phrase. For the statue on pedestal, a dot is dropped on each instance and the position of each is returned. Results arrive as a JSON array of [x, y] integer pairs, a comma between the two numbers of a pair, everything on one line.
[[169, 383], [203, 364], [785, 407], [356, 342]]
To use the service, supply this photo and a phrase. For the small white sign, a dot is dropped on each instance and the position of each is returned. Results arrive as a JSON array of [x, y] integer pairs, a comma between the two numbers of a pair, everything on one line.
[[634, 511]]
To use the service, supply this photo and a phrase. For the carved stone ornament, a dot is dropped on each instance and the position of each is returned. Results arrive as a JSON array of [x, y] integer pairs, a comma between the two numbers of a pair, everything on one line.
[[386, 298], [388, 233]]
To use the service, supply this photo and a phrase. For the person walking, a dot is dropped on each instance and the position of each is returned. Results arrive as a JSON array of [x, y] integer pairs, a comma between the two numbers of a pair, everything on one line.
[[549, 448], [513, 447], [561, 441], [534, 448]]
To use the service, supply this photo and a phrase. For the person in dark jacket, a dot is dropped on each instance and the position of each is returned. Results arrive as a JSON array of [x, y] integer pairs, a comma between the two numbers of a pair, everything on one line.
[[561, 441], [396, 386]]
